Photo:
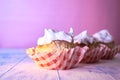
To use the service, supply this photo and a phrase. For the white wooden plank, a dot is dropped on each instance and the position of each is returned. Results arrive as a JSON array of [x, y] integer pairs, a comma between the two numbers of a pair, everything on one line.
[[103, 70], [9, 58], [28, 70], [84, 75]]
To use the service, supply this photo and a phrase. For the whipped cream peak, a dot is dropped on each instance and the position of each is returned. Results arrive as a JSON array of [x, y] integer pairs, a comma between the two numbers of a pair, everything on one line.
[[50, 35], [71, 32], [103, 36], [84, 37]]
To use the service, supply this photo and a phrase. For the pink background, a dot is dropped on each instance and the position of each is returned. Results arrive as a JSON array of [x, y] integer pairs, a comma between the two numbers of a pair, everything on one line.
[[23, 21]]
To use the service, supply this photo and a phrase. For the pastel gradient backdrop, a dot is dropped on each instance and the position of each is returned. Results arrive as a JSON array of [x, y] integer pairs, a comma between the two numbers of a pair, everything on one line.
[[23, 21]]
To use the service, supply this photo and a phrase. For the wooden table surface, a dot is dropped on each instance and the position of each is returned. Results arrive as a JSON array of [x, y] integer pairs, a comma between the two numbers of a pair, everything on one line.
[[16, 65]]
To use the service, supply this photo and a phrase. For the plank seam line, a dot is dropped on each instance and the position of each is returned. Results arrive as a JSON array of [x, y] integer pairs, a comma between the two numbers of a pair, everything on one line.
[[58, 75], [13, 66]]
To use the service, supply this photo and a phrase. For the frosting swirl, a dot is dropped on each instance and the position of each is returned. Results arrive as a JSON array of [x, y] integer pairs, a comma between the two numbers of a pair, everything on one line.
[[83, 37], [50, 35], [103, 36]]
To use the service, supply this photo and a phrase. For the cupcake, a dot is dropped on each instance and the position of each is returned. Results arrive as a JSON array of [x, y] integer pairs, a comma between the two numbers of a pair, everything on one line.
[[93, 53], [105, 40], [84, 39], [55, 50]]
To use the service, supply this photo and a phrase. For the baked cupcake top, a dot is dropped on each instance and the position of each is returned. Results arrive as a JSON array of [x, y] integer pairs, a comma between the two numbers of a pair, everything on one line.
[[56, 45]]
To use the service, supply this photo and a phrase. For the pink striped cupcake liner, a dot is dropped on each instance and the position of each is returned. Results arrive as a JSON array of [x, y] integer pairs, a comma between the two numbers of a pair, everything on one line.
[[65, 59], [92, 55], [109, 53]]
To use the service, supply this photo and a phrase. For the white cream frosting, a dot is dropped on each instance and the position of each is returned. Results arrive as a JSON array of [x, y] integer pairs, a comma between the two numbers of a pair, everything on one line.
[[83, 37], [103, 36], [50, 35]]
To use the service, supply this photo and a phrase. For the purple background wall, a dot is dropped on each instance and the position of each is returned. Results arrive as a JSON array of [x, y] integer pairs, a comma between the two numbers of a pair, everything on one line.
[[23, 21]]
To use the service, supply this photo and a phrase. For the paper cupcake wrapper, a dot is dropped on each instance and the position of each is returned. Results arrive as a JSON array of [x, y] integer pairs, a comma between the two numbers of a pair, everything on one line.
[[65, 59], [92, 55], [109, 53]]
